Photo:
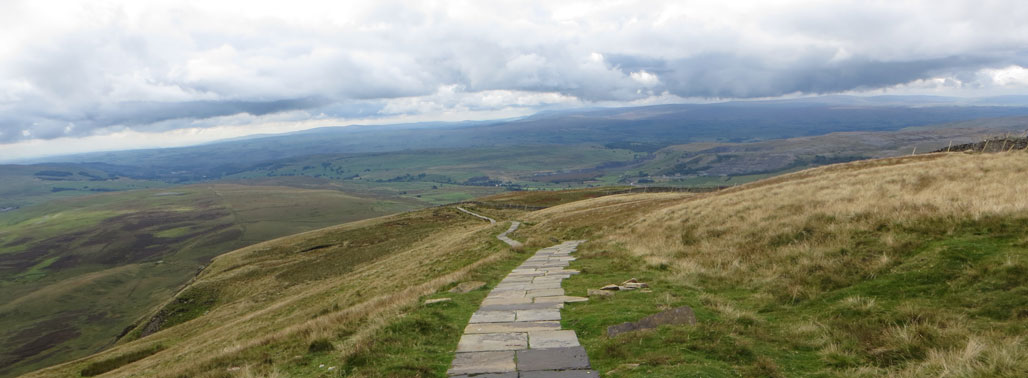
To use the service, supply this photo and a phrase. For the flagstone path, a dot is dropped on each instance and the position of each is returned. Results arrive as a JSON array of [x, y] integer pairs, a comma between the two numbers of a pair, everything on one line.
[[503, 237], [516, 331]]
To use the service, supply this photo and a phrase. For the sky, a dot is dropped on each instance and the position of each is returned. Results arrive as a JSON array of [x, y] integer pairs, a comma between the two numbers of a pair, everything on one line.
[[79, 76]]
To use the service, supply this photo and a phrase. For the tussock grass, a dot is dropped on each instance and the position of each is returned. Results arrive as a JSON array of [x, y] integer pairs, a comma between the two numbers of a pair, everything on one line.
[[898, 267], [280, 304]]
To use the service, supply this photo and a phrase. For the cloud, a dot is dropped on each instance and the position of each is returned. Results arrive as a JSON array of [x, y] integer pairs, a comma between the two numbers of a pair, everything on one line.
[[73, 69]]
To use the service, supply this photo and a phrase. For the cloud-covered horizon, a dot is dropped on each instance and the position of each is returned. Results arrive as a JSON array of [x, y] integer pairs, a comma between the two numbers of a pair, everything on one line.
[[70, 69]]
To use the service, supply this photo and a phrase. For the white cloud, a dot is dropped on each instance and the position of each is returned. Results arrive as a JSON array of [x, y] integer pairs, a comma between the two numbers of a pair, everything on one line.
[[1012, 76], [113, 65]]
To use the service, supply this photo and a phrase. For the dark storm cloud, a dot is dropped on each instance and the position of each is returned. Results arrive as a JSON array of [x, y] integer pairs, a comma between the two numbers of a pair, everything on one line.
[[734, 76]]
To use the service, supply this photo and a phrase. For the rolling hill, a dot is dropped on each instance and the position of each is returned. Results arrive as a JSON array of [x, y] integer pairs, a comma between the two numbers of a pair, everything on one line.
[[74, 272], [912, 266]]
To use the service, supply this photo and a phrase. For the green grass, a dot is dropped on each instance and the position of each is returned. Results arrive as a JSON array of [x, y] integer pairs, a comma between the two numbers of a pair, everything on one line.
[[423, 340], [971, 279]]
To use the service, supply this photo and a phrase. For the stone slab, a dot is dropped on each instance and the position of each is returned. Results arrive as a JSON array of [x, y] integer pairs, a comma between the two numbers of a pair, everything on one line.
[[680, 315], [506, 294], [512, 327], [560, 374], [552, 359], [537, 315], [504, 301], [510, 287], [522, 306], [560, 299], [490, 342], [493, 317], [547, 279], [489, 375], [483, 362], [517, 279], [544, 293], [552, 339], [545, 285]]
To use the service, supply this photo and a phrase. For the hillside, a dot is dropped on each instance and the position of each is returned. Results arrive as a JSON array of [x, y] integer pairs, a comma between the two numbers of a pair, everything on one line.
[[74, 272], [914, 266]]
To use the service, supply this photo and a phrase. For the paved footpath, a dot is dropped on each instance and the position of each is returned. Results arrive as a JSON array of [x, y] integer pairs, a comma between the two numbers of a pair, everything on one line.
[[503, 237], [516, 331]]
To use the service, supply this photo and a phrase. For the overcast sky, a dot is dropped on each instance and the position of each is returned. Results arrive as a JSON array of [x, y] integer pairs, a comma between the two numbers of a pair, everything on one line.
[[88, 75]]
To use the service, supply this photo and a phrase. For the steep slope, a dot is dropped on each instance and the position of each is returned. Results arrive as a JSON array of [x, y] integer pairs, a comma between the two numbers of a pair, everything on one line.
[[282, 305], [75, 272], [913, 266]]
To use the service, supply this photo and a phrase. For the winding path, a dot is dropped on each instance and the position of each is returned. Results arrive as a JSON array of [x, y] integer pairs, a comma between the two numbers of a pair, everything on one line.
[[516, 331], [503, 237]]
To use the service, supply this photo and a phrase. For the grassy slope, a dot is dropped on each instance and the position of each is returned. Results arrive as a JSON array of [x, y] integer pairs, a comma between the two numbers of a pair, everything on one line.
[[294, 303], [907, 267], [75, 272], [904, 267]]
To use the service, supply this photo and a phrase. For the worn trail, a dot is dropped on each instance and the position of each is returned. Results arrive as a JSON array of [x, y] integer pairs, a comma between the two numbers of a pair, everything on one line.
[[516, 331]]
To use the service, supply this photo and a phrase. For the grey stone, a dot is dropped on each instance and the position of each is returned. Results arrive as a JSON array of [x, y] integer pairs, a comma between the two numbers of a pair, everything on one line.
[[552, 339], [512, 327], [537, 315], [465, 287], [545, 285], [600, 293], [482, 362], [560, 374], [560, 299], [503, 301], [489, 342], [522, 306], [547, 279], [543, 293], [489, 375], [510, 287], [680, 315], [493, 317], [506, 294], [553, 359]]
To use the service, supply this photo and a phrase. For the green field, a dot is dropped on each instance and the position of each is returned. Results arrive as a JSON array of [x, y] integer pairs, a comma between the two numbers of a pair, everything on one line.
[[77, 271]]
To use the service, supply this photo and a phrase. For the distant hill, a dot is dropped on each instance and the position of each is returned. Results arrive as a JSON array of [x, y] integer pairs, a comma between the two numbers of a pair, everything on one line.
[[662, 125]]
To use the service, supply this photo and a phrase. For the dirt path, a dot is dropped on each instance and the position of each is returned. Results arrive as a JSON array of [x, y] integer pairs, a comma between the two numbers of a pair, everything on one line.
[[516, 330]]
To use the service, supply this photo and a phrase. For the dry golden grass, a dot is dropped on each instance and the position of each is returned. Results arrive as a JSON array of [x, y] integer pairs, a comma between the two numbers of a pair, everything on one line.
[[263, 321], [809, 215], [790, 240]]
